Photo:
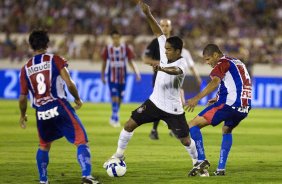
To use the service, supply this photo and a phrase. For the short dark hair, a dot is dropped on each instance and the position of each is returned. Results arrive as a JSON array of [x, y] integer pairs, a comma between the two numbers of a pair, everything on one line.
[[114, 32], [210, 49], [38, 39], [175, 42]]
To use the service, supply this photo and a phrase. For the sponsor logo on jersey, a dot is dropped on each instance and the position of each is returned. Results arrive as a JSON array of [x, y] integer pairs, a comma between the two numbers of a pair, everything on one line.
[[45, 115], [37, 68]]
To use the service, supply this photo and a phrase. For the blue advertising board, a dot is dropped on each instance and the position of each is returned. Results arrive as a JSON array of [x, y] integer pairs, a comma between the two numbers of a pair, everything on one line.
[[267, 91]]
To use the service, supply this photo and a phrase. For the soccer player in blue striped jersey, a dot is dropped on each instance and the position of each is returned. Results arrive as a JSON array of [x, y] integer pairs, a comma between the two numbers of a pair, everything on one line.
[[231, 105], [115, 57], [44, 76]]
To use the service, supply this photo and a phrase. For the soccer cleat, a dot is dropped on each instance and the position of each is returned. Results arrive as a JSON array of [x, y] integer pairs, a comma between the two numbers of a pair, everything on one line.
[[219, 173], [44, 182], [89, 180], [114, 123], [199, 167], [204, 173], [154, 135], [114, 156]]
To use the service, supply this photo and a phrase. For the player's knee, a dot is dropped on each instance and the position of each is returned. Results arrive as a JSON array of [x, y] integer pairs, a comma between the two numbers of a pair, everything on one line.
[[45, 146], [226, 130], [185, 141], [130, 125]]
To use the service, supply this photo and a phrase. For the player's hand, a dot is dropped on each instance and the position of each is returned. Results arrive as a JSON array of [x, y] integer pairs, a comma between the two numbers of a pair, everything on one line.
[[138, 78], [145, 7], [156, 67], [104, 80], [78, 103], [191, 104], [23, 121]]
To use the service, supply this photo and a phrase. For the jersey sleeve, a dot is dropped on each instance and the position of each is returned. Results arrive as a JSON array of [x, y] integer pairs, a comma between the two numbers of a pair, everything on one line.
[[187, 56], [183, 66], [220, 69], [104, 54], [23, 82], [162, 40], [60, 62], [129, 52]]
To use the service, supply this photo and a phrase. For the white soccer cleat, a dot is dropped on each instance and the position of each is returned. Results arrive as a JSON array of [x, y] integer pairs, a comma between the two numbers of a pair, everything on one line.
[[114, 123]]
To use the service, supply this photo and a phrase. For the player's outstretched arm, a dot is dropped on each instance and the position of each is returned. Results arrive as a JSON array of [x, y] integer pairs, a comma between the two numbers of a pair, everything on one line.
[[212, 85], [151, 20]]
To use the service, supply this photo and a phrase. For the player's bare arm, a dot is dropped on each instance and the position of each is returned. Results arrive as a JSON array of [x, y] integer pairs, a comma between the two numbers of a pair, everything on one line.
[[173, 70], [135, 69], [71, 87], [212, 85], [196, 75], [23, 107], [151, 20], [149, 61], [103, 70]]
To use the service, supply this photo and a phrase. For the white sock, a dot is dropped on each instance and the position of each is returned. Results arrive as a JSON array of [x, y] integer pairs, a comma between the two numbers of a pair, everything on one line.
[[123, 140], [192, 151]]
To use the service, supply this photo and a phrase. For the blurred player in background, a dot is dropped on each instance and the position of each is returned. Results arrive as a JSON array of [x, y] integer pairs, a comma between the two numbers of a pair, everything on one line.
[[152, 57], [44, 76], [115, 57], [232, 104], [164, 103]]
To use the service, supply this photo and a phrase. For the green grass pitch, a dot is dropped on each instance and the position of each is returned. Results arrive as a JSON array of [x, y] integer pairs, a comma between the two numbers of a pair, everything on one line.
[[256, 155]]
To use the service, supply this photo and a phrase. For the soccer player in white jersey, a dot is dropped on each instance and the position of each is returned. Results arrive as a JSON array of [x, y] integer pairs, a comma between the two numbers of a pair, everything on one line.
[[164, 103], [152, 57]]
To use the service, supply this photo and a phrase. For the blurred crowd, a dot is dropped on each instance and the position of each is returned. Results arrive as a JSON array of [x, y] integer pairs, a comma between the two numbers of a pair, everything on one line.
[[249, 29]]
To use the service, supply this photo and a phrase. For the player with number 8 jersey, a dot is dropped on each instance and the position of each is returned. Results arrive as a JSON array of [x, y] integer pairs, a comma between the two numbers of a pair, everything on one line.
[[44, 77]]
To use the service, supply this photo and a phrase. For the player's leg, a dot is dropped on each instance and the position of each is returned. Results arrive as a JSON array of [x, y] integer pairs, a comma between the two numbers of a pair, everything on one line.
[[195, 125], [72, 128], [224, 150], [178, 124], [234, 119], [119, 98], [115, 102], [146, 113], [42, 159], [154, 132], [47, 132]]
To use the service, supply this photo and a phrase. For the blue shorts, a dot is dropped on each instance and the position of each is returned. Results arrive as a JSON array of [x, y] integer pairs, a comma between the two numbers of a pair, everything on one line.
[[117, 90], [218, 112], [58, 119]]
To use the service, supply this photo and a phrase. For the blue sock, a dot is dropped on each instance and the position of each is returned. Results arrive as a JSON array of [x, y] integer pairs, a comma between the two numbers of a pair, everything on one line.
[[197, 136], [115, 108], [225, 148], [84, 159], [42, 158]]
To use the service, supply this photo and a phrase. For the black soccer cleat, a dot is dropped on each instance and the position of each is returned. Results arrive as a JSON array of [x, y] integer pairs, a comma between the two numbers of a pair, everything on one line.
[[89, 180], [199, 167], [219, 173], [154, 135]]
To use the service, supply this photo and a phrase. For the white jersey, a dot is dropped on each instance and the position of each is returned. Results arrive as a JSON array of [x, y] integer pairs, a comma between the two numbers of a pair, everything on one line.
[[166, 93], [187, 56]]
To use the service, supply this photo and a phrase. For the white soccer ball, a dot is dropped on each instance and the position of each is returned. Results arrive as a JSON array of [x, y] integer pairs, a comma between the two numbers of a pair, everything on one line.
[[116, 167]]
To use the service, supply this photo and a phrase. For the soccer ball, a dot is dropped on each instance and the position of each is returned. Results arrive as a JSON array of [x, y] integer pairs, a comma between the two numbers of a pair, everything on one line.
[[116, 167]]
